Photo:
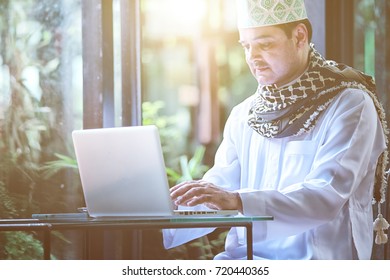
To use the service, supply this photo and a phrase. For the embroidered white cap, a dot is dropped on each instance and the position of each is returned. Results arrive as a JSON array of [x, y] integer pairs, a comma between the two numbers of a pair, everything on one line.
[[258, 13]]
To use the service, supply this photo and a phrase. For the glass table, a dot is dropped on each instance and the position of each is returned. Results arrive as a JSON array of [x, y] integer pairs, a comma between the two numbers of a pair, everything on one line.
[[79, 221]]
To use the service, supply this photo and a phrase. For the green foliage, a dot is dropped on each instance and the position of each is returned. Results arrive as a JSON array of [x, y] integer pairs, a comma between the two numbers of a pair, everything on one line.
[[189, 169], [16, 245], [21, 246], [207, 247], [151, 114], [28, 63], [218, 243], [26, 121], [7, 206], [173, 140], [179, 166], [51, 168]]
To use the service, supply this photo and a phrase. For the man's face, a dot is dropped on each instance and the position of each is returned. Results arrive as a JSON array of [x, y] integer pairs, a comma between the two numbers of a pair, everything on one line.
[[273, 58]]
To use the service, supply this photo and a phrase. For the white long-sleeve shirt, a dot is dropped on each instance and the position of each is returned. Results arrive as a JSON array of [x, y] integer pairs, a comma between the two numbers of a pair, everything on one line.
[[317, 186]]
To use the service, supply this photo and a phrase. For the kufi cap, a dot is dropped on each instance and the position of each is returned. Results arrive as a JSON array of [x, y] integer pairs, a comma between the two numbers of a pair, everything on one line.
[[259, 13]]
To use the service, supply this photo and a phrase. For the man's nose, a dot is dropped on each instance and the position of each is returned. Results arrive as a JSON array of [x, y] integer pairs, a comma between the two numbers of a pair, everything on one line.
[[254, 53]]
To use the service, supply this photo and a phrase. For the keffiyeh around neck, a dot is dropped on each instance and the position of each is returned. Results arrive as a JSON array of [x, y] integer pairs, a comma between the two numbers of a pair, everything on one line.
[[294, 109]]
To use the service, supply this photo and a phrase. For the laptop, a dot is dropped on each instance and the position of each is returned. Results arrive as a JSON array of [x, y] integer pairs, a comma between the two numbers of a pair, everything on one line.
[[123, 174]]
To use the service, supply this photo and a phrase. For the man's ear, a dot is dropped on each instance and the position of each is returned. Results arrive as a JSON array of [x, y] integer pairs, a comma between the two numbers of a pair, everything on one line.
[[301, 34]]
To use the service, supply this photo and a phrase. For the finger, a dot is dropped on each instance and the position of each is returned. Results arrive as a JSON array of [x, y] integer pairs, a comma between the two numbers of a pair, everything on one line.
[[183, 188], [212, 199], [202, 199], [181, 191], [180, 185], [194, 196]]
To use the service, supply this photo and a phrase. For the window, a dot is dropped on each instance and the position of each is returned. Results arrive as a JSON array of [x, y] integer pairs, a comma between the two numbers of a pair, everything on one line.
[[182, 56]]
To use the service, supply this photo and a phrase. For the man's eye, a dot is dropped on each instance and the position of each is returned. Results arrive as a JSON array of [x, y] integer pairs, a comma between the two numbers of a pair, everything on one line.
[[259, 46], [265, 46]]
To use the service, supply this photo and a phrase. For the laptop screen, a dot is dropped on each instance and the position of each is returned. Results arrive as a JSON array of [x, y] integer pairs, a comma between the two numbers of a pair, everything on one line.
[[122, 171]]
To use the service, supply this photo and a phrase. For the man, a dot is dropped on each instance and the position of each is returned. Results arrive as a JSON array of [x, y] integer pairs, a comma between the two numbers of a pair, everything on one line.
[[304, 148]]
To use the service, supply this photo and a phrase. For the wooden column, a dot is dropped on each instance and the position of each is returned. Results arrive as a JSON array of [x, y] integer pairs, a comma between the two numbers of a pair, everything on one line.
[[98, 88], [339, 30], [131, 62], [98, 73], [382, 78]]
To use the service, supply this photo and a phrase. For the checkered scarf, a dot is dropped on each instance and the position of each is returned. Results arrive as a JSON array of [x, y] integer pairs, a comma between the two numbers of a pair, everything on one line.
[[294, 109]]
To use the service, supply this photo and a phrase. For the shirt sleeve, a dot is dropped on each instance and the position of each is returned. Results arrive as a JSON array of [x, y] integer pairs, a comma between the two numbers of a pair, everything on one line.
[[225, 172]]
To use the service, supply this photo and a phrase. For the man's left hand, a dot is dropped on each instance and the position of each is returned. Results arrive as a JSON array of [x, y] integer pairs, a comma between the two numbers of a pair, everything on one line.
[[192, 193]]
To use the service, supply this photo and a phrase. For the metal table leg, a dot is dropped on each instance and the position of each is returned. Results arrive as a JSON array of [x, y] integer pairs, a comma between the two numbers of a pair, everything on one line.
[[249, 241]]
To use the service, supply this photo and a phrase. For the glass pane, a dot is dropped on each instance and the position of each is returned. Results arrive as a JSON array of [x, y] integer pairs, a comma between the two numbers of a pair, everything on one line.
[[364, 36], [194, 72], [40, 103]]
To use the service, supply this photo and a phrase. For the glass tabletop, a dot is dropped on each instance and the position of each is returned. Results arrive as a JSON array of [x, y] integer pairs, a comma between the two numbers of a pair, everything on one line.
[[83, 217]]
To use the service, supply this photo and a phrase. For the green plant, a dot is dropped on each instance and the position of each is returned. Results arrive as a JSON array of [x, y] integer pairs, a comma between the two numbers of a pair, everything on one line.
[[173, 139], [189, 169], [179, 166], [28, 68], [16, 245], [50, 168]]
